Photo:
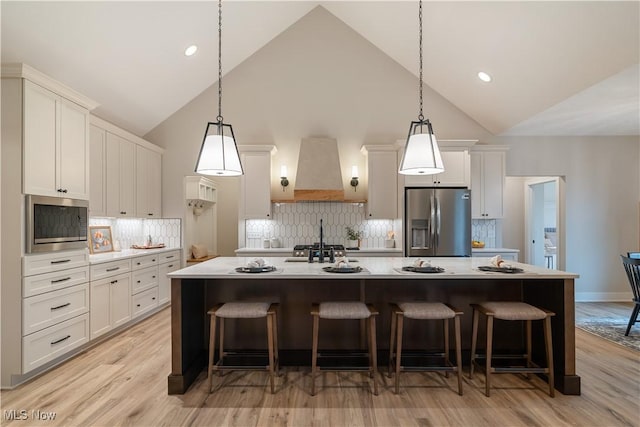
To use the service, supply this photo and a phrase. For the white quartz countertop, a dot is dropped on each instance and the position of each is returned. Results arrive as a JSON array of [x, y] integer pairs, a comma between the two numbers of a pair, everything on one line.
[[373, 267], [126, 253], [267, 251]]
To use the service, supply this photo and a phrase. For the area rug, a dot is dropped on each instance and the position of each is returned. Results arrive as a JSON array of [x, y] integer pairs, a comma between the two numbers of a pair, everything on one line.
[[612, 329]]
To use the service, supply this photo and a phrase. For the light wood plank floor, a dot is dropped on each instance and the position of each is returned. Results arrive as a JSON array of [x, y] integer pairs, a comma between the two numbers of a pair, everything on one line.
[[123, 382]]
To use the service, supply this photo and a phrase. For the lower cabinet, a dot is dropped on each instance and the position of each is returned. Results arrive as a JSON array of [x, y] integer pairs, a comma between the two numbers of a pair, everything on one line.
[[170, 262], [110, 303], [144, 301]]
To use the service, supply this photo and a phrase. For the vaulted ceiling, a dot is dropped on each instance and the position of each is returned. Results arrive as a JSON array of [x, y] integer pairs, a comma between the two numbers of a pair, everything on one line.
[[558, 68]]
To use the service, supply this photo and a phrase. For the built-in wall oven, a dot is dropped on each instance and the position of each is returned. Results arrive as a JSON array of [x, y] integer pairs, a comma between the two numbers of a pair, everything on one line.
[[56, 224]]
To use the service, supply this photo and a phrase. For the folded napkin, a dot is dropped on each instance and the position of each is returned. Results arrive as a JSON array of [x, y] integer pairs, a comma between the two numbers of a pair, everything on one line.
[[256, 263], [497, 261], [341, 262], [421, 263]]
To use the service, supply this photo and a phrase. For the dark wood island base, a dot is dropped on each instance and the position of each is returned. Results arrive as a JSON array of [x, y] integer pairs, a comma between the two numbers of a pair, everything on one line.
[[295, 288]]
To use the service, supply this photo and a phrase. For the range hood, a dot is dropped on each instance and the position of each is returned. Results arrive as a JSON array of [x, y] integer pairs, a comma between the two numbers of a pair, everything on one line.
[[319, 176]]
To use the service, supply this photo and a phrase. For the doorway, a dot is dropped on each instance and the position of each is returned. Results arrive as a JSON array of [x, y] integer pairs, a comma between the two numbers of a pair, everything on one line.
[[544, 222]]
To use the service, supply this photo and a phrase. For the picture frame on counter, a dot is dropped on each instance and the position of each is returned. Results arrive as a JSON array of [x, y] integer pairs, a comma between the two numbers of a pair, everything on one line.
[[100, 240]]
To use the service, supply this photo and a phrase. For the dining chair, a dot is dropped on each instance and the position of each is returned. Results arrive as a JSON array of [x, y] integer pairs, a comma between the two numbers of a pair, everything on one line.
[[632, 268]]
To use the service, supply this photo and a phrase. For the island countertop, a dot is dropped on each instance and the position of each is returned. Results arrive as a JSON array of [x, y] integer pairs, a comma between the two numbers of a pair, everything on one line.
[[373, 268]]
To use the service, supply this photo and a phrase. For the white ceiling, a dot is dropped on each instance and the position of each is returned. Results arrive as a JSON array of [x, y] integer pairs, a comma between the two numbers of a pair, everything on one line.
[[559, 68]]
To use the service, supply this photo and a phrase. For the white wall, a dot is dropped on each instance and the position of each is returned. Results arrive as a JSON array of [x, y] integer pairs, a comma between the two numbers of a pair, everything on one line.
[[601, 212], [317, 78]]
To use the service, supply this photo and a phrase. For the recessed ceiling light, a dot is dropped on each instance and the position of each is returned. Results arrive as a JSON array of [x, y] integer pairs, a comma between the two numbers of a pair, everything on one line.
[[191, 50], [484, 76]]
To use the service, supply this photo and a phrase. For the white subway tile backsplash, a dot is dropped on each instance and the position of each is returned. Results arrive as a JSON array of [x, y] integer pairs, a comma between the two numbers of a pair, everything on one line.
[[299, 223]]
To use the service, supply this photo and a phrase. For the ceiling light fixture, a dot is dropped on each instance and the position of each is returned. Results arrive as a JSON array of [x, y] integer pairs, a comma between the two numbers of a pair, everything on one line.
[[219, 152], [191, 50], [484, 76], [421, 152]]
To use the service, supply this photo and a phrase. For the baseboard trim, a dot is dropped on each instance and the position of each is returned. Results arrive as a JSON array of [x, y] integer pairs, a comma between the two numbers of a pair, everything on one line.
[[603, 296]]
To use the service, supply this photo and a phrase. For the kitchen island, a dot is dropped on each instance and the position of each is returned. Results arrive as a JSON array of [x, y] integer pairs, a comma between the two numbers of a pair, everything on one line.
[[296, 285]]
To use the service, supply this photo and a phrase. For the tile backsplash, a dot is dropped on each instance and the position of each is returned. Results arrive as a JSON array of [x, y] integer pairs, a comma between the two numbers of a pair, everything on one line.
[[484, 230], [135, 231], [299, 223]]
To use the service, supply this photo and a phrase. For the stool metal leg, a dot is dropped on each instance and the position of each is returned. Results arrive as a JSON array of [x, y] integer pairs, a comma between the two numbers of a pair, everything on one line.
[[400, 326], [549, 346], [489, 351], [212, 345], [474, 338], [392, 339], [373, 352], [458, 353], [314, 354]]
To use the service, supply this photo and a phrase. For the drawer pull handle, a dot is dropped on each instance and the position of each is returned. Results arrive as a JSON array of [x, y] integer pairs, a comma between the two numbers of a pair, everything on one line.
[[61, 261], [171, 265], [153, 277], [169, 257], [113, 269], [114, 281], [138, 305], [153, 260], [138, 263], [60, 340], [61, 280], [154, 298], [61, 306]]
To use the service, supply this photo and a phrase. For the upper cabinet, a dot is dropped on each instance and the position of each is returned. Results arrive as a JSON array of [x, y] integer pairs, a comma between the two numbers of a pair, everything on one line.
[[456, 160], [56, 144], [126, 173], [255, 198], [382, 172], [148, 183], [487, 182]]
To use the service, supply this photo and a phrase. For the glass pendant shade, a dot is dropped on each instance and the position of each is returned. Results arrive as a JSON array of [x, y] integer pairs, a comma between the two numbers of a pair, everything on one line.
[[421, 152], [219, 153]]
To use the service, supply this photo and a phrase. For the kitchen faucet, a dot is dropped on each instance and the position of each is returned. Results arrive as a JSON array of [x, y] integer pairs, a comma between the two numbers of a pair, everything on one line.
[[321, 251]]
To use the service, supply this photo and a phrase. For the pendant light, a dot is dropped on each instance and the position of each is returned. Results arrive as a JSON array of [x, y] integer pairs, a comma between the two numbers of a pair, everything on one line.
[[219, 152], [421, 152]]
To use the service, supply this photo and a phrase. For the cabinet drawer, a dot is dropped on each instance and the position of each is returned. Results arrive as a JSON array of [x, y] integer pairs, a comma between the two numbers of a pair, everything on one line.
[[144, 279], [42, 311], [47, 344], [56, 261], [107, 269], [144, 301], [169, 257], [144, 261], [36, 285]]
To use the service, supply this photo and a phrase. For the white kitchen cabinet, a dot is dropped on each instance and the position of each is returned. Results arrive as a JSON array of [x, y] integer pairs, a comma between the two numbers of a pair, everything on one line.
[[144, 289], [456, 172], [56, 144], [487, 182], [110, 303], [256, 185], [169, 261], [120, 176], [148, 183], [506, 254], [382, 193], [98, 172]]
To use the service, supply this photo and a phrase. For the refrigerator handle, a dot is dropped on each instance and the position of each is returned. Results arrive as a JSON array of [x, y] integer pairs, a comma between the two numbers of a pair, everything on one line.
[[437, 221], [432, 225]]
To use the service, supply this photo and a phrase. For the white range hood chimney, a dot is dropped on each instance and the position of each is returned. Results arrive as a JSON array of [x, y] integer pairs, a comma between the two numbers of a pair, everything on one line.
[[319, 175]]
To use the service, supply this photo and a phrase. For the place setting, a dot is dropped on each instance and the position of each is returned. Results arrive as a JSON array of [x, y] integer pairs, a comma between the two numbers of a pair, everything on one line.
[[342, 265], [420, 266], [498, 265], [257, 265]]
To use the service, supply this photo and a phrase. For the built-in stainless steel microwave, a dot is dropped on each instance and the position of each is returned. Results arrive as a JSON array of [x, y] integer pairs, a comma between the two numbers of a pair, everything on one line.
[[56, 224]]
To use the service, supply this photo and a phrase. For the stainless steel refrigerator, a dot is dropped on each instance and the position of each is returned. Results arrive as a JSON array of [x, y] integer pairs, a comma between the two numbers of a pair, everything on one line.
[[437, 222]]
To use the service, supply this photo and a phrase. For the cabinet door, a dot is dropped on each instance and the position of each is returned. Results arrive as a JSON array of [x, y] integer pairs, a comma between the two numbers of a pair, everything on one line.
[[73, 147], [112, 174], [477, 209], [97, 169], [493, 171], [164, 282], [382, 195], [148, 183], [120, 300], [100, 307], [256, 184], [456, 172], [39, 129], [127, 178], [120, 176]]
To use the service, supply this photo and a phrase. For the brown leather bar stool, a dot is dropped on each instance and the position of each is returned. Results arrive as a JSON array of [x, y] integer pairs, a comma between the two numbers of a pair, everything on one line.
[[512, 311], [243, 310], [345, 310], [424, 311]]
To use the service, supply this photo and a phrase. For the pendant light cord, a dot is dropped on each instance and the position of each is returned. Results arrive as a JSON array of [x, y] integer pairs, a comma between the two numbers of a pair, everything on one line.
[[219, 118], [420, 116]]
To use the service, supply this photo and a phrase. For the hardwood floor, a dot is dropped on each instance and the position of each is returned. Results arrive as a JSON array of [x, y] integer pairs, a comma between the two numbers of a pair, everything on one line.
[[124, 382]]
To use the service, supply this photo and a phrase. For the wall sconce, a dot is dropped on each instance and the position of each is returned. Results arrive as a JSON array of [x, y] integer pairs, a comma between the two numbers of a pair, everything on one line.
[[284, 182], [354, 177]]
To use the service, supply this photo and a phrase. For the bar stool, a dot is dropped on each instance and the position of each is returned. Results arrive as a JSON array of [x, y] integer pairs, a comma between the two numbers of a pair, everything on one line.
[[243, 310], [345, 310], [424, 311], [512, 311]]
